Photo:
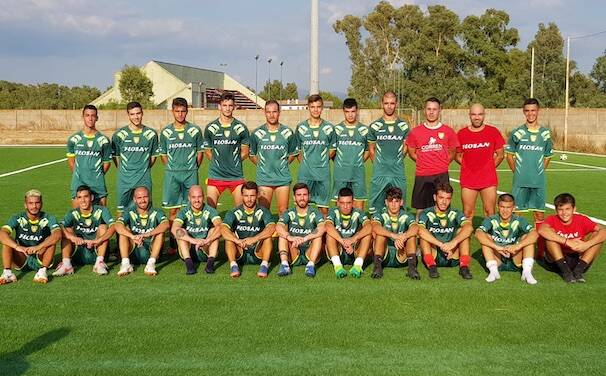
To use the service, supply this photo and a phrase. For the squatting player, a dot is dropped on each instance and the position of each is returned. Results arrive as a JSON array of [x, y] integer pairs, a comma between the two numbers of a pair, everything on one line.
[[247, 230], [272, 148], [141, 231], [226, 146], [348, 235], [573, 241], [316, 143], [444, 235], [197, 229], [507, 242], [29, 240], [395, 233], [89, 155], [387, 137], [86, 233], [480, 153], [134, 149], [300, 229]]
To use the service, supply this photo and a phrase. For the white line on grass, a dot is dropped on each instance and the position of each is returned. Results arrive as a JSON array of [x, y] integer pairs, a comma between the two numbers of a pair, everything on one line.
[[579, 165], [32, 167]]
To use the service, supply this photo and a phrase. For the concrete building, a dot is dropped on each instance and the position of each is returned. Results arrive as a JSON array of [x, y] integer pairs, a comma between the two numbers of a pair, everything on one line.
[[201, 87]]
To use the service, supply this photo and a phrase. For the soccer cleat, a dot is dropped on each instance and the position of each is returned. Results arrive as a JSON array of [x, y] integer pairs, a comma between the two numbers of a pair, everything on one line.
[[150, 270], [234, 271], [7, 277], [125, 270], [568, 277], [310, 271], [579, 277], [284, 270], [433, 272], [528, 278], [210, 267], [413, 273], [63, 270], [340, 272], [355, 271], [465, 273], [377, 273], [100, 268], [41, 276], [263, 271]]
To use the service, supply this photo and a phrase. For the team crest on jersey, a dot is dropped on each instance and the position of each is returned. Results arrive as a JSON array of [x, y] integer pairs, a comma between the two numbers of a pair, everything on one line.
[[226, 133], [143, 221], [505, 232], [351, 133], [249, 218], [89, 143], [533, 137], [88, 222], [441, 135], [34, 228], [394, 225], [443, 222], [272, 138], [180, 135], [136, 139], [198, 221], [390, 128], [316, 133], [301, 221]]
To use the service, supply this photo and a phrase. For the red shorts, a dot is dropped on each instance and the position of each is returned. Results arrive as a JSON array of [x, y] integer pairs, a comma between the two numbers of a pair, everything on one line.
[[222, 185]]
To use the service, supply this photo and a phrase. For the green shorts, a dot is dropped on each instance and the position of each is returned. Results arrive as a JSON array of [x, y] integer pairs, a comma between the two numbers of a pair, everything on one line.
[[392, 259], [140, 254], [357, 186], [302, 258], [32, 262], [441, 259], [250, 256], [197, 255], [509, 265], [97, 186], [84, 256], [346, 258], [126, 188], [176, 187], [378, 186], [319, 192], [529, 199]]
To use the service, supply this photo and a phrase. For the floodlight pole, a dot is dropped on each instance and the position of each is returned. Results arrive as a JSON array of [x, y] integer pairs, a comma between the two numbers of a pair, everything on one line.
[[256, 74], [269, 76], [532, 74], [314, 85], [567, 93], [281, 85]]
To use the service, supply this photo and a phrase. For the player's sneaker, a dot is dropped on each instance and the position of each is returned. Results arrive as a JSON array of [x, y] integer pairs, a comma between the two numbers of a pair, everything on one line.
[[210, 266], [528, 278], [340, 272], [41, 276], [234, 271], [100, 268], [125, 269], [263, 271], [579, 277], [190, 268], [310, 271], [413, 273], [465, 273], [7, 277], [433, 272], [355, 271], [63, 270], [150, 270], [284, 270]]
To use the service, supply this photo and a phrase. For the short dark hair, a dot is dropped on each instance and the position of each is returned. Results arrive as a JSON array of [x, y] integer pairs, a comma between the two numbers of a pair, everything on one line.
[[90, 107], [345, 192], [179, 102], [350, 103], [530, 101], [272, 101], [444, 187], [84, 188], [298, 186], [563, 199], [250, 185], [506, 197], [132, 105], [393, 193], [314, 98], [227, 96], [434, 100]]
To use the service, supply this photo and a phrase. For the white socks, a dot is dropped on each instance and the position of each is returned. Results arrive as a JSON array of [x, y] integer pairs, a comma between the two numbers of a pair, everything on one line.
[[493, 269], [67, 262], [311, 263], [527, 276], [359, 262], [336, 261]]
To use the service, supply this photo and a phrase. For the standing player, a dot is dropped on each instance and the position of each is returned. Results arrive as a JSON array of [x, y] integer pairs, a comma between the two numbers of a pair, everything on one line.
[[395, 233], [444, 235], [226, 146], [29, 240], [197, 229], [89, 157], [86, 233], [316, 142], [572, 240], [432, 145], [181, 150], [300, 229], [247, 231], [134, 149], [528, 154], [141, 231], [351, 153], [348, 235], [507, 242], [272, 148], [479, 154]]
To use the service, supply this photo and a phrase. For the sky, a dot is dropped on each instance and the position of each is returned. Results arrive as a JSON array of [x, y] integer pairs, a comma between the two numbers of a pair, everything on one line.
[[83, 42]]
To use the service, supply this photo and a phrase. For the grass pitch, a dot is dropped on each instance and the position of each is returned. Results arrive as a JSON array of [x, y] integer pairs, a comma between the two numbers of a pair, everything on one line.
[[210, 324]]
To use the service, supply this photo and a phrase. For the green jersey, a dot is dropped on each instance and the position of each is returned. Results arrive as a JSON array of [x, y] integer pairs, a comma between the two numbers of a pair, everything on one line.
[[181, 147], [141, 223], [225, 141], [90, 153], [351, 144], [315, 144], [347, 225], [30, 233], [301, 225], [443, 226], [134, 149], [272, 149], [398, 224], [197, 224], [530, 148], [85, 226], [505, 233], [389, 138], [246, 224]]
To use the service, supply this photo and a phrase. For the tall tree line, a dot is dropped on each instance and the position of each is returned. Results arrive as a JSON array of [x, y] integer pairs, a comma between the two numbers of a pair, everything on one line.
[[45, 96]]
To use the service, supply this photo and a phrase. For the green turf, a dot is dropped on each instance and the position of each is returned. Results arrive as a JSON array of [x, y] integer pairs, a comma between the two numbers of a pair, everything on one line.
[[210, 324]]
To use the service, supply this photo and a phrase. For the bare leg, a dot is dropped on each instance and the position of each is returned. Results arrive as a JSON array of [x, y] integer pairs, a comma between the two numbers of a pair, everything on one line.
[[468, 198], [489, 200]]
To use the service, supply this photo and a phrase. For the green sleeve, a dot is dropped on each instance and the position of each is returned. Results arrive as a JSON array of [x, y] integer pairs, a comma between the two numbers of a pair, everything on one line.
[[199, 140], [284, 218], [213, 214], [53, 224], [106, 151], [486, 225], [162, 147], [548, 151], [181, 215], [229, 219], [293, 147], [208, 140], [525, 227], [423, 219], [68, 220], [71, 147], [245, 136], [268, 218], [461, 217], [253, 144], [512, 143], [154, 145], [106, 216], [116, 143]]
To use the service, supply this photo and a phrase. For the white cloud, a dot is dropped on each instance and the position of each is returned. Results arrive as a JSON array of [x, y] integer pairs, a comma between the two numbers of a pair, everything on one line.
[[326, 70]]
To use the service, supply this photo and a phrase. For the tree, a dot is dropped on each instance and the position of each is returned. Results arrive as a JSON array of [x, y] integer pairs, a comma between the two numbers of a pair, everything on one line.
[[550, 66], [598, 73], [330, 97], [134, 85], [276, 91], [45, 96]]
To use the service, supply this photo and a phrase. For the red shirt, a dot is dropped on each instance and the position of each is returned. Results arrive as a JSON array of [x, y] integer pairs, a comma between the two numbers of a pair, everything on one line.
[[478, 148], [581, 225], [432, 148]]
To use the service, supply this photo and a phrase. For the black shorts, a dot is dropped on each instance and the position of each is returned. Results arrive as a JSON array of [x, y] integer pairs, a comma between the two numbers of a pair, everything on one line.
[[424, 189]]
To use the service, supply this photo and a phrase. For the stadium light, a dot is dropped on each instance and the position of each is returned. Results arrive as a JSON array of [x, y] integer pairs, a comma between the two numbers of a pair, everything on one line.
[[269, 76], [314, 84], [281, 84]]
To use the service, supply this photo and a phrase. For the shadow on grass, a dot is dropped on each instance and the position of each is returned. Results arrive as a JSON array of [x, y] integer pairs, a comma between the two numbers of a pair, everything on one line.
[[16, 363]]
